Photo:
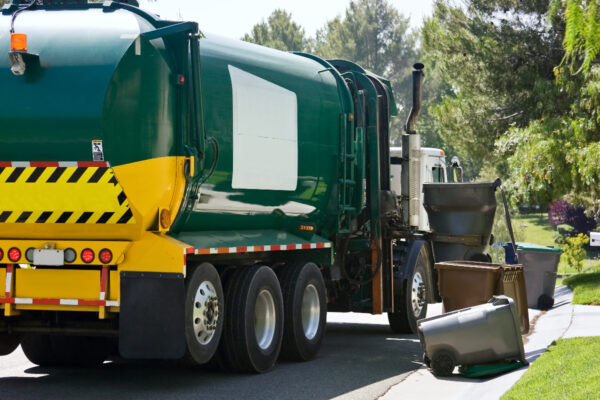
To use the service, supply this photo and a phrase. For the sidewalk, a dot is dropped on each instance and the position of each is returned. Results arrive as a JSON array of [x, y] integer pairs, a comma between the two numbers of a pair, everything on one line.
[[562, 321]]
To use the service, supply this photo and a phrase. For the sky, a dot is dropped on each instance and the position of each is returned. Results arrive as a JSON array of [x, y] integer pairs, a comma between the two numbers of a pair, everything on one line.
[[234, 18]]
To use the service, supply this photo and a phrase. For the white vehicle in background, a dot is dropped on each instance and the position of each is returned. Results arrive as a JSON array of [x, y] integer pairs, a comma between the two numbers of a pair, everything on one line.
[[432, 169]]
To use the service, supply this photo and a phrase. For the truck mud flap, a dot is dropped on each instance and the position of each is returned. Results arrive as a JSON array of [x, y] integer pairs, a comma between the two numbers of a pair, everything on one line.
[[151, 320]]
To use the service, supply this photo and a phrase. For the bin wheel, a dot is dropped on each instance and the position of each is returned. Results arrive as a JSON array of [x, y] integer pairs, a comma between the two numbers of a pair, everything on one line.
[[305, 311], [442, 363], [545, 302]]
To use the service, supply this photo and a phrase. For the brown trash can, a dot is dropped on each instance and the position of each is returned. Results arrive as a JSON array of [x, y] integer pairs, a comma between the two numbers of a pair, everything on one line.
[[465, 284]]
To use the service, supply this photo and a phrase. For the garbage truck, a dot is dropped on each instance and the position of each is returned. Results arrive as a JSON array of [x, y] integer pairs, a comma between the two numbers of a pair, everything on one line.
[[167, 194]]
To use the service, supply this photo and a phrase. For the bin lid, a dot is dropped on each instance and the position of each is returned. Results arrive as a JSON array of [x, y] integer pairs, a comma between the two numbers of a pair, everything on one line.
[[537, 247]]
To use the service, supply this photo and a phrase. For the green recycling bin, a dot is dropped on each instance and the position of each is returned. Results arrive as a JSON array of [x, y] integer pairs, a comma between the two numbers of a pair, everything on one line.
[[540, 264]]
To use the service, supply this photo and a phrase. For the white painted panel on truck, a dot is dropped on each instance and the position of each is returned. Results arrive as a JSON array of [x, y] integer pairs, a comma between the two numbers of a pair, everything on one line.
[[265, 134]]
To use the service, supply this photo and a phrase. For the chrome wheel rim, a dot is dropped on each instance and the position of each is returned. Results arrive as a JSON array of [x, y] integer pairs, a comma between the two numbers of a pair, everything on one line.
[[264, 319], [206, 312], [311, 311], [417, 295]]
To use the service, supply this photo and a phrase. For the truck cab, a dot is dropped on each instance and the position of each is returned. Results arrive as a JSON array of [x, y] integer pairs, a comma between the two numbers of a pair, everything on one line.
[[432, 170]]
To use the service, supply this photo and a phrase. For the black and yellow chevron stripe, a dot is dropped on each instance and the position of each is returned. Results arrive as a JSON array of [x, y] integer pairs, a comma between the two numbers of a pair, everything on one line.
[[62, 195]]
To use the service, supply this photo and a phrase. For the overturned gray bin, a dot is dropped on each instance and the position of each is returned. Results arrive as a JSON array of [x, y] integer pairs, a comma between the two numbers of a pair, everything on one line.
[[483, 334]]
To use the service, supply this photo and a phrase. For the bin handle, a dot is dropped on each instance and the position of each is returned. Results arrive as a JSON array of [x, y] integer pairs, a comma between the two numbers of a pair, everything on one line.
[[498, 183]]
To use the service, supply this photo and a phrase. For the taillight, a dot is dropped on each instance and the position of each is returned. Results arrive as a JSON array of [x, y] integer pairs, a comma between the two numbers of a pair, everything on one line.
[[105, 256], [87, 255], [14, 254]]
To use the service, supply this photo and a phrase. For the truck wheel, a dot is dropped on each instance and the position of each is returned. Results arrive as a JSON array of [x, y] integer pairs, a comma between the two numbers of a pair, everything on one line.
[[80, 351], [442, 363], [412, 306], [39, 350], [253, 321], [203, 313], [8, 343], [305, 311]]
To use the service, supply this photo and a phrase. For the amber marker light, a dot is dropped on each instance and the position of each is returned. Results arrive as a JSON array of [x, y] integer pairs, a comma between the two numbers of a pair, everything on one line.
[[18, 42], [306, 228], [165, 218]]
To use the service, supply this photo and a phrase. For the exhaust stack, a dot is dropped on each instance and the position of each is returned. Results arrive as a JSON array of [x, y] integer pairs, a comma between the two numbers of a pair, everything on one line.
[[411, 156]]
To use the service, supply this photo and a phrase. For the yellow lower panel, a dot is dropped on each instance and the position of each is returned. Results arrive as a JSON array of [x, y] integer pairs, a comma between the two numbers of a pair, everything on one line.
[[57, 284], [114, 286], [2, 281]]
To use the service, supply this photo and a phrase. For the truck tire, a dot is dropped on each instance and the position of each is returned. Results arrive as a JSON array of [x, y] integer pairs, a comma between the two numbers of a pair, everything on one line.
[[253, 326], [39, 350], [204, 302], [411, 305], [62, 351], [305, 311], [8, 343], [80, 351]]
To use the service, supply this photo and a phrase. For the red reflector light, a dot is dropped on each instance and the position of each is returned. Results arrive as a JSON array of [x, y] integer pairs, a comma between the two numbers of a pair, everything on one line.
[[181, 79], [105, 256], [14, 254], [1, 254], [87, 255]]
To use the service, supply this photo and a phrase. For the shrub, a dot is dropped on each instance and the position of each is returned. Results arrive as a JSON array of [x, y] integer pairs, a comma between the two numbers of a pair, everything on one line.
[[560, 213], [574, 252]]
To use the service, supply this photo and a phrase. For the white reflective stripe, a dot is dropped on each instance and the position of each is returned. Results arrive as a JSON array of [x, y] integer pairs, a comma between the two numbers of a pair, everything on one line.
[[328, 245], [69, 302], [67, 164], [138, 47], [23, 301], [8, 281], [250, 249], [112, 304], [313, 245], [214, 251], [21, 164], [102, 295], [233, 249], [267, 248]]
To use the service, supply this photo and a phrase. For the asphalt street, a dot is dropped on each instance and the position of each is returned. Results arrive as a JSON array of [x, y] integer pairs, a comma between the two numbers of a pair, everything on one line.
[[360, 359]]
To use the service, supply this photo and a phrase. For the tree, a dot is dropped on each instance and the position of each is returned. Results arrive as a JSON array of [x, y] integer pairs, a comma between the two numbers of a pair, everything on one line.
[[279, 32], [374, 35], [582, 34], [498, 58], [558, 153]]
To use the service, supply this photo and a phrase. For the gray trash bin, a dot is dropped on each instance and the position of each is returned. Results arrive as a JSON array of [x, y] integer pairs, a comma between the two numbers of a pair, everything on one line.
[[476, 335], [540, 264]]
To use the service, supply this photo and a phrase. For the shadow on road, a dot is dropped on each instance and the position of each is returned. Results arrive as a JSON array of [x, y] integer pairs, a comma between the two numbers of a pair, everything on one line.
[[353, 356]]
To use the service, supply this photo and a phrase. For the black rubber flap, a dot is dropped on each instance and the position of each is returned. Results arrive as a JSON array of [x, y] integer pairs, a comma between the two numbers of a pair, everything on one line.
[[151, 320]]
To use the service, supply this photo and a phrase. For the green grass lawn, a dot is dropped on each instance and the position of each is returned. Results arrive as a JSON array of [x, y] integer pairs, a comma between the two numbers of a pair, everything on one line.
[[534, 228], [585, 287], [567, 370]]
